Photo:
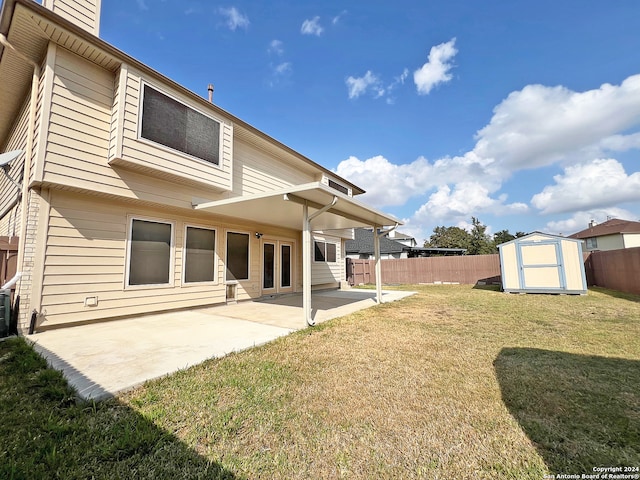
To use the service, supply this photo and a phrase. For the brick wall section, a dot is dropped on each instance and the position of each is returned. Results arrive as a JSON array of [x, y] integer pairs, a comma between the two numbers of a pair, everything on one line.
[[26, 282]]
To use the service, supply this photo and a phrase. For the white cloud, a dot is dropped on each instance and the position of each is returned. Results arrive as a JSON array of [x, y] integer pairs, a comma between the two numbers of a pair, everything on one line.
[[537, 126], [580, 220], [283, 68], [540, 125], [466, 199], [312, 27], [599, 183], [234, 19], [436, 70], [276, 47], [359, 85], [337, 18]]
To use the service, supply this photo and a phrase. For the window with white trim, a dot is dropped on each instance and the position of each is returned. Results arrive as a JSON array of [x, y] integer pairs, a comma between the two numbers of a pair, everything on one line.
[[237, 256], [150, 252], [199, 255], [325, 252], [171, 123]]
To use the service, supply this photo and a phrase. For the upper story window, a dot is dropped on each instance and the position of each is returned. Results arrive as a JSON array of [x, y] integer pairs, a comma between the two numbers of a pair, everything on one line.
[[592, 243], [173, 124]]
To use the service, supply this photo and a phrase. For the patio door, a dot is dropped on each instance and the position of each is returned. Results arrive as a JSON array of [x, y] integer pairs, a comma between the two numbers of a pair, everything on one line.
[[277, 267]]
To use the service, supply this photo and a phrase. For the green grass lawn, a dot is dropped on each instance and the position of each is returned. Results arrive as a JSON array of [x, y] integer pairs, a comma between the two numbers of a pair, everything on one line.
[[455, 382]]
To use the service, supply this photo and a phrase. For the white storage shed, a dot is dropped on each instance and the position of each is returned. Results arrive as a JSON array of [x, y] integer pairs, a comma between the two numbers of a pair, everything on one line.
[[542, 263]]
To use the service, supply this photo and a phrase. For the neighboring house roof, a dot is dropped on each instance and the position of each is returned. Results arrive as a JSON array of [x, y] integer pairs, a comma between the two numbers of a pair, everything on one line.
[[610, 227], [363, 243], [38, 25]]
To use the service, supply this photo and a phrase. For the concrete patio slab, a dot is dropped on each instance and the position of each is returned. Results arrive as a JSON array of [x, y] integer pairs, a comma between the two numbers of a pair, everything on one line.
[[102, 359]]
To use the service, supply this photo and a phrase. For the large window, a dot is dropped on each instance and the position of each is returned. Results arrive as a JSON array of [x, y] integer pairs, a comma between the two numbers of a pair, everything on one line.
[[325, 252], [150, 250], [172, 124], [200, 255], [237, 256]]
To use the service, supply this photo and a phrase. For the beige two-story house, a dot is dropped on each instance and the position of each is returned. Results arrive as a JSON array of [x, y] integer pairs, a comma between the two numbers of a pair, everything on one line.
[[613, 234], [130, 194]]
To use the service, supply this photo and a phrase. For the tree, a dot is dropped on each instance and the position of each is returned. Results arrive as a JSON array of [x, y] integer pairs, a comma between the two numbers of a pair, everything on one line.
[[481, 243], [449, 237], [502, 236]]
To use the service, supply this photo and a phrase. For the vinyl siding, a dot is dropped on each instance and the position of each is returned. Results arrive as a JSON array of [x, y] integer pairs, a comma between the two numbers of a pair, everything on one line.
[[255, 172], [631, 240], [161, 161], [610, 242], [86, 256], [79, 121], [84, 13], [79, 133], [10, 221], [328, 274]]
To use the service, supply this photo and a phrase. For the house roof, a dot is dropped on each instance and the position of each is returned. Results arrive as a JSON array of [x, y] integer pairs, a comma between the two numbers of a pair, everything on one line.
[[363, 243], [610, 227], [29, 27], [283, 207]]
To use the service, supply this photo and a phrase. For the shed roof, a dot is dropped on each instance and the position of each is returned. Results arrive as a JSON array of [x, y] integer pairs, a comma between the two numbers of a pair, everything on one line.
[[534, 234], [610, 227]]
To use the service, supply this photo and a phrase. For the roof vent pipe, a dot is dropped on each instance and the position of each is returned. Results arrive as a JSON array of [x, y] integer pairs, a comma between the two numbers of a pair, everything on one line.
[[210, 89], [592, 223]]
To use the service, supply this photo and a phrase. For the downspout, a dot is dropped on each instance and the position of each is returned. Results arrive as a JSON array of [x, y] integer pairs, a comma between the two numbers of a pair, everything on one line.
[[35, 82], [306, 257], [376, 247]]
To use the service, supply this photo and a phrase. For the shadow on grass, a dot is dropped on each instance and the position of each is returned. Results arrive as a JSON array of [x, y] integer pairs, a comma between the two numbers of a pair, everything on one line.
[[616, 294], [46, 434], [487, 286], [580, 411]]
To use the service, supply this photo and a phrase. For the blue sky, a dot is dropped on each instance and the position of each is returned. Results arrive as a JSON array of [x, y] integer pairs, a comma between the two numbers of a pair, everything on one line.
[[524, 114]]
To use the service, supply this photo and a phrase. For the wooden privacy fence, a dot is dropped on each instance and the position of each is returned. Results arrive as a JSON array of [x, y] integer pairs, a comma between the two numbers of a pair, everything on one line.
[[8, 258], [470, 270], [615, 269]]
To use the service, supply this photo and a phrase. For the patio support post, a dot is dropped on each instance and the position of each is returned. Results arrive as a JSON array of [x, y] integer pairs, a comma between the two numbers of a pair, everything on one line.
[[306, 256], [306, 265], [376, 248]]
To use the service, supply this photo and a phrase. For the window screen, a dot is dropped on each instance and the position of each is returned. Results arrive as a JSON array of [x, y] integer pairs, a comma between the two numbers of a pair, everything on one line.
[[237, 256], [150, 255], [331, 252], [200, 255], [172, 124]]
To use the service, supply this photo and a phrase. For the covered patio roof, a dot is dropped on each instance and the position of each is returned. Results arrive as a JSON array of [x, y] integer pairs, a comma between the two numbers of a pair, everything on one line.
[[308, 207], [283, 207]]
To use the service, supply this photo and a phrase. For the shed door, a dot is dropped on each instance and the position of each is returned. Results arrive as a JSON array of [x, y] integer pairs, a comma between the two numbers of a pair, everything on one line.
[[541, 266]]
